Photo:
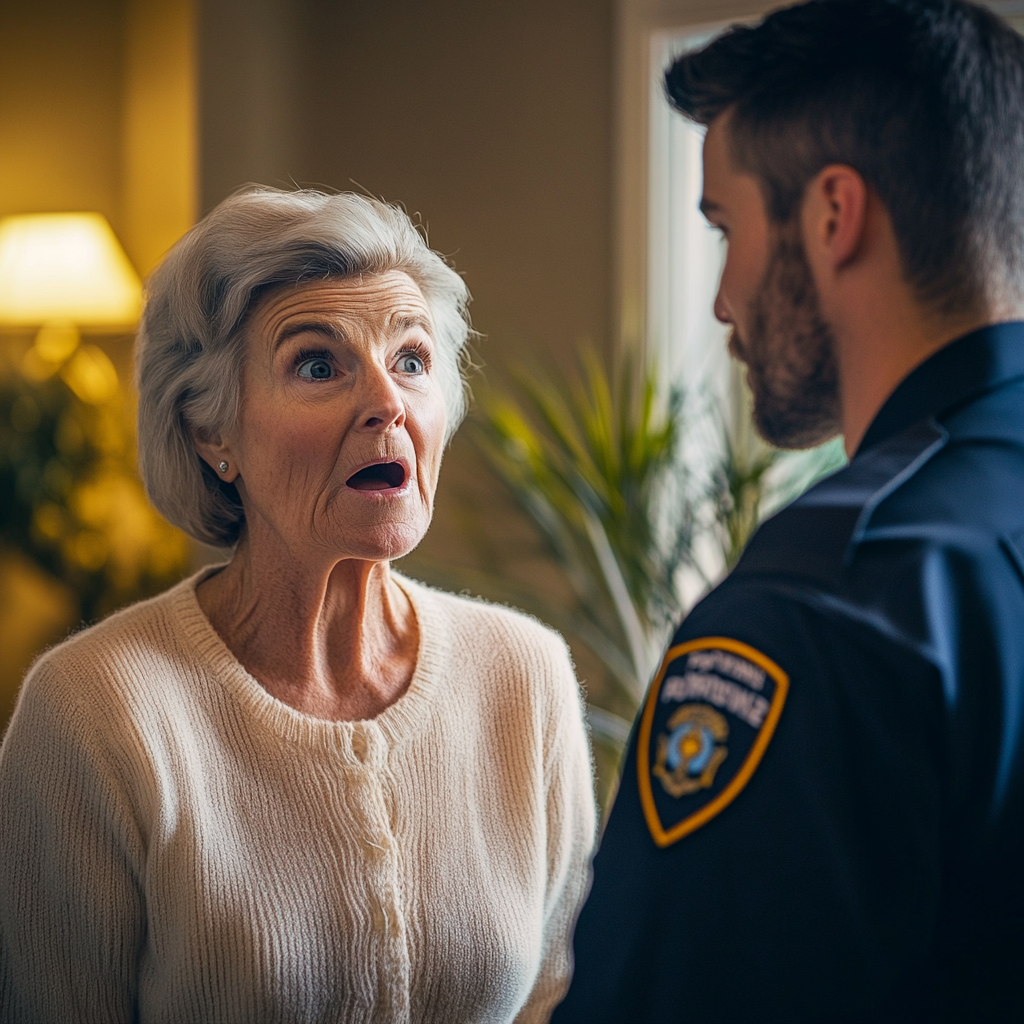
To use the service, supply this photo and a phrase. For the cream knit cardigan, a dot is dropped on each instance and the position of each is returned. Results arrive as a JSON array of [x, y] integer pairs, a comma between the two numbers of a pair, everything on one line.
[[178, 846]]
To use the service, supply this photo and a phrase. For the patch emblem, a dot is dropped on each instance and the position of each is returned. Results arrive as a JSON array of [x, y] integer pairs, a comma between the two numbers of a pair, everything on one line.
[[690, 754], [708, 719]]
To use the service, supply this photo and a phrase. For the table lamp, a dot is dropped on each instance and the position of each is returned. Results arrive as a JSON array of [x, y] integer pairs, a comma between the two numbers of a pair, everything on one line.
[[61, 273]]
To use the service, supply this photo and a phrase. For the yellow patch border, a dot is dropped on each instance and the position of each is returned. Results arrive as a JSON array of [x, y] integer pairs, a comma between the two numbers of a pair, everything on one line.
[[753, 759]]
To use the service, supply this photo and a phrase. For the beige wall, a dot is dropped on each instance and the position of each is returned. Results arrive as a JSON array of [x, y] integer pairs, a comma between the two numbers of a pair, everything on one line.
[[158, 144], [97, 112], [60, 87], [492, 120]]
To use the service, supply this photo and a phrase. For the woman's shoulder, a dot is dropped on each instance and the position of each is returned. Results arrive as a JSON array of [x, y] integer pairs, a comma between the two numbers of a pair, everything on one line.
[[95, 692], [508, 666], [484, 620], [494, 653], [130, 644]]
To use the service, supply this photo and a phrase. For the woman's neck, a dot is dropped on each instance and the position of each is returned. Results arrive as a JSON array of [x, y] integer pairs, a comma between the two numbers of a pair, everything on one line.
[[336, 640]]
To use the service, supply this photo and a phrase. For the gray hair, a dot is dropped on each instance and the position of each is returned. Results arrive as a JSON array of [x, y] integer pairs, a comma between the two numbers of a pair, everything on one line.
[[190, 346]]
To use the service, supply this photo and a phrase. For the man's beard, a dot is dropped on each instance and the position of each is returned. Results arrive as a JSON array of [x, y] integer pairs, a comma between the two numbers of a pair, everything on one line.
[[790, 352]]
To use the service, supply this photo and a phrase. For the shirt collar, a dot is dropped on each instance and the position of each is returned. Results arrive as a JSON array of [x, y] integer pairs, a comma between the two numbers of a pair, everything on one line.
[[958, 372]]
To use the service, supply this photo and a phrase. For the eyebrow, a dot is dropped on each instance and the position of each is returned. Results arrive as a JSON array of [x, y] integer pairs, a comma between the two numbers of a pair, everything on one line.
[[405, 323], [708, 206], [332, 331], [309, 327]]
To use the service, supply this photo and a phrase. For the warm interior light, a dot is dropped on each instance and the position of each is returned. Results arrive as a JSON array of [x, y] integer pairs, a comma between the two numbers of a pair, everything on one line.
[[65, 267]]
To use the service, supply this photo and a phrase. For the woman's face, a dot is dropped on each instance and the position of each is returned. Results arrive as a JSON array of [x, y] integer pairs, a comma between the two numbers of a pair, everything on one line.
[[339, 441]]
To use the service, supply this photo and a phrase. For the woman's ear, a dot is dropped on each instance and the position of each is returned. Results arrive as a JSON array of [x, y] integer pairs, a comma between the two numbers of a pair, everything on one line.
[[216, 452]]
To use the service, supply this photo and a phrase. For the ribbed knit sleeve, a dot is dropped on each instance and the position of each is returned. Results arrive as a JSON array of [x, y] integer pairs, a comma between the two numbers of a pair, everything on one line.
[[71, 911], [571, 827]]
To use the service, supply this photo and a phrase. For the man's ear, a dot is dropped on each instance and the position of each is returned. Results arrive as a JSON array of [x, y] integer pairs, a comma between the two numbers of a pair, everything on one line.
[[215, 451], [834, 217]]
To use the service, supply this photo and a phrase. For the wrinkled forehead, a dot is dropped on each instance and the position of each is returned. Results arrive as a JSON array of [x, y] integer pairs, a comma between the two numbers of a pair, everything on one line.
[[379, 304]]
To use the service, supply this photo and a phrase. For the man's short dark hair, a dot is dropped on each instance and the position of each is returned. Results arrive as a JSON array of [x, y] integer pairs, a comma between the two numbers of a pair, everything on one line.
[[924, 98]]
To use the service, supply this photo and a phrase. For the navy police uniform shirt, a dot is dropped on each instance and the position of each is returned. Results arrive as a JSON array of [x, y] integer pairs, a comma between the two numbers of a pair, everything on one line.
[[821, 811]]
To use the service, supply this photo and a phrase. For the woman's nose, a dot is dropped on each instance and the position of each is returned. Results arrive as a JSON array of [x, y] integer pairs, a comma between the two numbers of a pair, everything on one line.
[[382, 405]]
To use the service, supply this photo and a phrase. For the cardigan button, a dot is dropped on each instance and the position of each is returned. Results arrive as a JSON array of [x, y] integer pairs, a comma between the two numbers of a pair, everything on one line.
[[360, 747]]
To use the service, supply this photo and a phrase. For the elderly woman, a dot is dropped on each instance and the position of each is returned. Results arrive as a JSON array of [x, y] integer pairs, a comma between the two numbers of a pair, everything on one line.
[[297, 786]]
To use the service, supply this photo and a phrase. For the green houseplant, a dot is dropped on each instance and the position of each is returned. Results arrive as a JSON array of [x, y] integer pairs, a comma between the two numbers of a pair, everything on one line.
[[593, 462]]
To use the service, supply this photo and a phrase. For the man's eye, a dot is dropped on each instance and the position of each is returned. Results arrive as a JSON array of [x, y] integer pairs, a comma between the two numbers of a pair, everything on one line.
[[411, 363], [315, 369]]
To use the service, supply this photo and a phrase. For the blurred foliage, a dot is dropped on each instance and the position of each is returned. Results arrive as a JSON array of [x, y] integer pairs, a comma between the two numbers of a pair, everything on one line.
[[736, 493], [751, 479], [593, 462], [70, 498]]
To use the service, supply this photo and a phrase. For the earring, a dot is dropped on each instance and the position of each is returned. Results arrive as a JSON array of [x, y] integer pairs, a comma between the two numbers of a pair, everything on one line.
[[223, 467]]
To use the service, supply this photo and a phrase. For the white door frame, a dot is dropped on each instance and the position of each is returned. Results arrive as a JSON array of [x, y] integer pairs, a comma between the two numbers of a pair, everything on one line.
[[637, 24]]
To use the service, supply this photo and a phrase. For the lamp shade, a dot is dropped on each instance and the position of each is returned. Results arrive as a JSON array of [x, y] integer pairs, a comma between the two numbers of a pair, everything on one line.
[[65, 266]]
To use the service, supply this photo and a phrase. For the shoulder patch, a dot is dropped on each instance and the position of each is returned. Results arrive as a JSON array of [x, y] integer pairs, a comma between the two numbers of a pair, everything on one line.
[[708, 719]]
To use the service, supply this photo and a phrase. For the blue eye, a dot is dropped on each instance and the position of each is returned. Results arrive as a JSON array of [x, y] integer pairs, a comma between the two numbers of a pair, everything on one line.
[[411, 363], [315, 369]]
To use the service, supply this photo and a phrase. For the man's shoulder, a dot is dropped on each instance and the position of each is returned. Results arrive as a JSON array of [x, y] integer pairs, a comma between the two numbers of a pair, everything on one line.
[[816, 537], [972, 491], [951, 486], [929, 521]]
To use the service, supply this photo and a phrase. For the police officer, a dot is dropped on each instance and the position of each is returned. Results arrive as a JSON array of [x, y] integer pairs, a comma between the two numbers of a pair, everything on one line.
[[821, 812]]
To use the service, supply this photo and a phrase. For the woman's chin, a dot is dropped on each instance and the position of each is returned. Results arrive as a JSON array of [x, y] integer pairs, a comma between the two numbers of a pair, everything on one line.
[[384, 544]]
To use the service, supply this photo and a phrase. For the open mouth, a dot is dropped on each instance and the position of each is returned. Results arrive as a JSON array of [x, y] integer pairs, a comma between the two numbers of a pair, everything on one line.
[[381, 476]]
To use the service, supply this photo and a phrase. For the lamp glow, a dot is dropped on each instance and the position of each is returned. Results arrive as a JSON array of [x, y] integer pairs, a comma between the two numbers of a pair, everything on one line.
[[65, 267]]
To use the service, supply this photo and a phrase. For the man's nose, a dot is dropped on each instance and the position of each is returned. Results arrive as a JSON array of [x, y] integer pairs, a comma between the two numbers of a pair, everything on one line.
[[720, 308]]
